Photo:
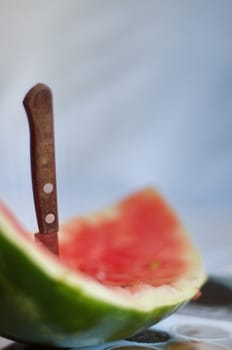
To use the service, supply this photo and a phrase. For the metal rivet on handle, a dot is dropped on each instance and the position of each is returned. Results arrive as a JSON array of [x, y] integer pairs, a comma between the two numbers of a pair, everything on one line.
[[50, 218], [48, 188]]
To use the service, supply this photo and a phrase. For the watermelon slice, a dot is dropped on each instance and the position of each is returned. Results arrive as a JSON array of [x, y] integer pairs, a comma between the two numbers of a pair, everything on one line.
[[119, 271]]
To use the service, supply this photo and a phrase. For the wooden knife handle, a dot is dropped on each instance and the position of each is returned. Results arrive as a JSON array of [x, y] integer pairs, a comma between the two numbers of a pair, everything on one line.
[[38, 106]]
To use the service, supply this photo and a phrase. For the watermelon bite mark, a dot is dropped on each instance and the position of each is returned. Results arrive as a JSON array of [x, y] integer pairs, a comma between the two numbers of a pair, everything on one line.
[[141, 244]]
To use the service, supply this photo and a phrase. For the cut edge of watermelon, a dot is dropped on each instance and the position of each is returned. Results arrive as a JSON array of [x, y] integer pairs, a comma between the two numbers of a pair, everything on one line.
[[143, 299]]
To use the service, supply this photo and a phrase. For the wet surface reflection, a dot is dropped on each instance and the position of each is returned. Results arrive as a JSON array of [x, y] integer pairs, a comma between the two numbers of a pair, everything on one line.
[[201, 332], [194, 345]]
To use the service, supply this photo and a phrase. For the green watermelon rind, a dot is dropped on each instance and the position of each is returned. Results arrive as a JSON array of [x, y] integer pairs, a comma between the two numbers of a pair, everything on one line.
[[44, 303]]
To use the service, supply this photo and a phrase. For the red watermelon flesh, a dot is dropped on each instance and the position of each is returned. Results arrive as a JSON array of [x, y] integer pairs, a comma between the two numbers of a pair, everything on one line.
[[140, 243]]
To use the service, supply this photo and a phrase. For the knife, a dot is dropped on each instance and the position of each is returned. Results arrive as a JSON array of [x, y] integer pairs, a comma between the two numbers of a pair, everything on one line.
[[39, 109]]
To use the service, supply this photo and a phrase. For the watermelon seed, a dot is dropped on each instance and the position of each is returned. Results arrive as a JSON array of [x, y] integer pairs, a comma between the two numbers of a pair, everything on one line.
[[154, 264]]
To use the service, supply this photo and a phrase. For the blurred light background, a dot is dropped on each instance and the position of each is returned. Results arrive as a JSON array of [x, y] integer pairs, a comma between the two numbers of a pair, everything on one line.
[[142, 96]]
